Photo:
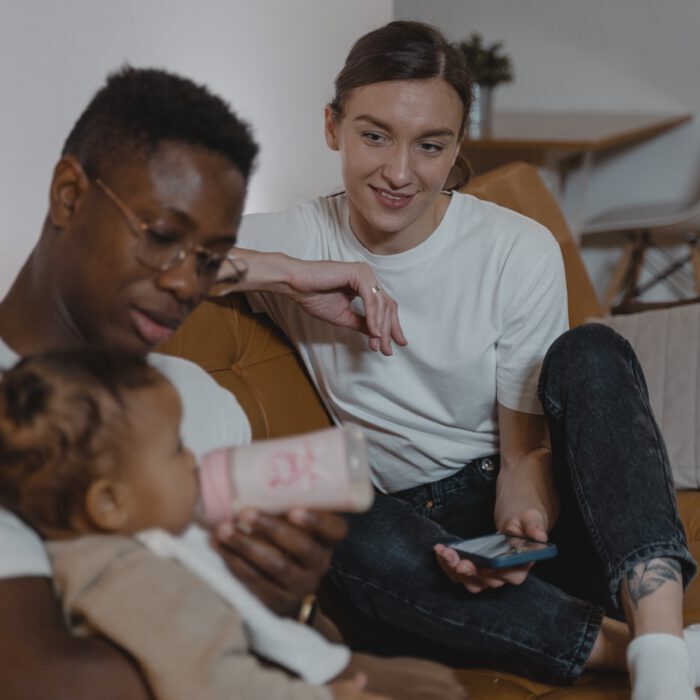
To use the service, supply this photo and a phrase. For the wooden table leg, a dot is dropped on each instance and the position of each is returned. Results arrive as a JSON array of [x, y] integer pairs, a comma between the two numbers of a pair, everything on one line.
[[695, 257], [620, 274]]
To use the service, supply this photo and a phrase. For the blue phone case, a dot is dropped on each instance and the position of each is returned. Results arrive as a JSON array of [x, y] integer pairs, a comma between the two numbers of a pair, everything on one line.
[[499, 551]]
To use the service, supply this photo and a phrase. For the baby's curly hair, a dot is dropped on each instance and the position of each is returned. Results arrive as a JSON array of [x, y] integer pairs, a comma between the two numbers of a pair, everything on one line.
[[62, 415]]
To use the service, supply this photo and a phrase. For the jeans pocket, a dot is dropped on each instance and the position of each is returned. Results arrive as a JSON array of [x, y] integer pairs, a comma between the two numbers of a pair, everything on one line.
[[466, 508]]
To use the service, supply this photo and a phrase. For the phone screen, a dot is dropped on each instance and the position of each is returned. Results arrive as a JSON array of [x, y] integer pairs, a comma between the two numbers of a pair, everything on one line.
[[500, 550]]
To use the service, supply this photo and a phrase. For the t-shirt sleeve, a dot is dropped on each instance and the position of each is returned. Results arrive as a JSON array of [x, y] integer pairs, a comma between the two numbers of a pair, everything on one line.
[[212, 417], [534, 315], [22, 553]]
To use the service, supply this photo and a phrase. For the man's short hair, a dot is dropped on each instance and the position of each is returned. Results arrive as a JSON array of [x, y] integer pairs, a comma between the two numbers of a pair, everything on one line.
[[138, 108]]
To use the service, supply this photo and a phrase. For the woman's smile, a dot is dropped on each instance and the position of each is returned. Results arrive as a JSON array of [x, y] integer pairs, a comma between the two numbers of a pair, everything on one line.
[[391, 200]]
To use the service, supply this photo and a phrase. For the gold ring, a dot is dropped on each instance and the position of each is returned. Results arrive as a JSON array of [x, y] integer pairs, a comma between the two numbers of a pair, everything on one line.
[[307, 610]]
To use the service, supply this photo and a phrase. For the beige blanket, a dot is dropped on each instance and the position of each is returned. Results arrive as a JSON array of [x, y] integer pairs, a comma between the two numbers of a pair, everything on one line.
[[667, 343], [188, 642]]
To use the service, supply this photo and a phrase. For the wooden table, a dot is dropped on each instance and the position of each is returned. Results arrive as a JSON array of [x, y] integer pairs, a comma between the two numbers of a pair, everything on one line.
[[563, 141]]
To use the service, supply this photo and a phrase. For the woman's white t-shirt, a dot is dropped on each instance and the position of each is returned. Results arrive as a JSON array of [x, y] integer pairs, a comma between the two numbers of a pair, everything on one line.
[[480, 301]]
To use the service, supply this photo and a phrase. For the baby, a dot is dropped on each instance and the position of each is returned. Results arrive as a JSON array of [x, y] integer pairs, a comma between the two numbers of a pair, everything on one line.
[[91, 457]]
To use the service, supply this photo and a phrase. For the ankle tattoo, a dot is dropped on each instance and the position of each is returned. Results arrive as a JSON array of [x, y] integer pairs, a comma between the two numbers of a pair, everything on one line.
[[645, 579]]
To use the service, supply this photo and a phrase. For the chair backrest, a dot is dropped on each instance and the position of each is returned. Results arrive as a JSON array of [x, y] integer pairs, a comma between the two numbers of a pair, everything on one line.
[[518, 186]]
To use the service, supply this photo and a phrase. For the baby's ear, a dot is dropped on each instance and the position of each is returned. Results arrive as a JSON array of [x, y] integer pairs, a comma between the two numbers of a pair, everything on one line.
[[107, 505]]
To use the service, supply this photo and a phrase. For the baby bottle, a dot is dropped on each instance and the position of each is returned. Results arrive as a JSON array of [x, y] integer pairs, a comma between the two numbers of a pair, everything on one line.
[[326, 469]]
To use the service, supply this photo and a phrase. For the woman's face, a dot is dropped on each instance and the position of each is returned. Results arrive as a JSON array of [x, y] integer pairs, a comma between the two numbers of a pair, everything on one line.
[[398, 141]]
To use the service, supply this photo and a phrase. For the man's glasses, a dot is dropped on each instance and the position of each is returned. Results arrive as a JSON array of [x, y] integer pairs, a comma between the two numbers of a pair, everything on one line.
[[162, 250]]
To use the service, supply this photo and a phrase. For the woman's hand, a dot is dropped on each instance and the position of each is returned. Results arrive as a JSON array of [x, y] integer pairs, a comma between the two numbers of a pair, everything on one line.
[[520, 509], [526, 500], [515, 516], [326, 289], [527, 523], [476, 578]]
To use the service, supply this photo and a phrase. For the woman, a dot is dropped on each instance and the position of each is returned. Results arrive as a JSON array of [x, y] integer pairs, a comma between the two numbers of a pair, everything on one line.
[[459, 444]]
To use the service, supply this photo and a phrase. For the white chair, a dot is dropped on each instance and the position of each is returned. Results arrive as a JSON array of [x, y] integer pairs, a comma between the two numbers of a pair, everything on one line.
[[645, 227]]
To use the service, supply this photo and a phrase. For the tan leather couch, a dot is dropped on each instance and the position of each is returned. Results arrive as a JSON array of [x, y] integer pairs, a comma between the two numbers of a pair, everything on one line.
[[247, 355]]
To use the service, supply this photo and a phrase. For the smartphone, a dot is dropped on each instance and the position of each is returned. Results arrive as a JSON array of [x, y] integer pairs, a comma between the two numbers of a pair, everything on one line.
[[500, 551]]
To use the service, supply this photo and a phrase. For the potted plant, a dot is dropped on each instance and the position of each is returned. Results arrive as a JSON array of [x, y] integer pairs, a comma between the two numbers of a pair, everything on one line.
[[489, 67]]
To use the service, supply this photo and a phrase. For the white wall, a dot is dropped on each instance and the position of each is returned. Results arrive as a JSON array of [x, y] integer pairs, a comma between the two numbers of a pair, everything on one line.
[[274, 60], [597, 55]]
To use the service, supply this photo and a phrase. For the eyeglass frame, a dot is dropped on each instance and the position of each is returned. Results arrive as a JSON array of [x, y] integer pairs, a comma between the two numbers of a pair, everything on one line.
[[139, 228]]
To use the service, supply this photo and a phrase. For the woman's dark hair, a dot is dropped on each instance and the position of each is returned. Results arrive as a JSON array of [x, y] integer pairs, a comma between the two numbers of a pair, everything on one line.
[[138, 108], [62, 414], [405, 50]]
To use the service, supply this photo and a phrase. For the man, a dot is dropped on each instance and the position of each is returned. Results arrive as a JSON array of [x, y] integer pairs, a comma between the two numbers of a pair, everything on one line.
[[144, 207]]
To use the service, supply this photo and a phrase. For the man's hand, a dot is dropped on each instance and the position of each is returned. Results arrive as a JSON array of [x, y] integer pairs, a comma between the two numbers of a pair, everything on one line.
[[326, 290], [406, 678], [281, 559]]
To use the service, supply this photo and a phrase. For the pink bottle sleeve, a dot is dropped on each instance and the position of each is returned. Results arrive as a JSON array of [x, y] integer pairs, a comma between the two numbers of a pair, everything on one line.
[[215, 485], [325, 469], [304, 470]]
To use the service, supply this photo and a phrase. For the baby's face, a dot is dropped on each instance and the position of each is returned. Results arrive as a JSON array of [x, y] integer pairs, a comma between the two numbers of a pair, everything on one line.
[[159, 474]]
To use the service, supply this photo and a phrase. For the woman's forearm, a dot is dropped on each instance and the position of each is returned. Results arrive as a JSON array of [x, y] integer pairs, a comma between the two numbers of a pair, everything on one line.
[[527, 484], [326, 290], [266, 272]]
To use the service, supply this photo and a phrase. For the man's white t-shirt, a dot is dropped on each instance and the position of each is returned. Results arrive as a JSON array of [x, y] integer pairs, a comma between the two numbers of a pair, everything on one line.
[[212, 418], [480, 301]]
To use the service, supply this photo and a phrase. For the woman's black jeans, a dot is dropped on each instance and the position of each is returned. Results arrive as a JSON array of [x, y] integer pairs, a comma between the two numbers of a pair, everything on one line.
[[617, 509]]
